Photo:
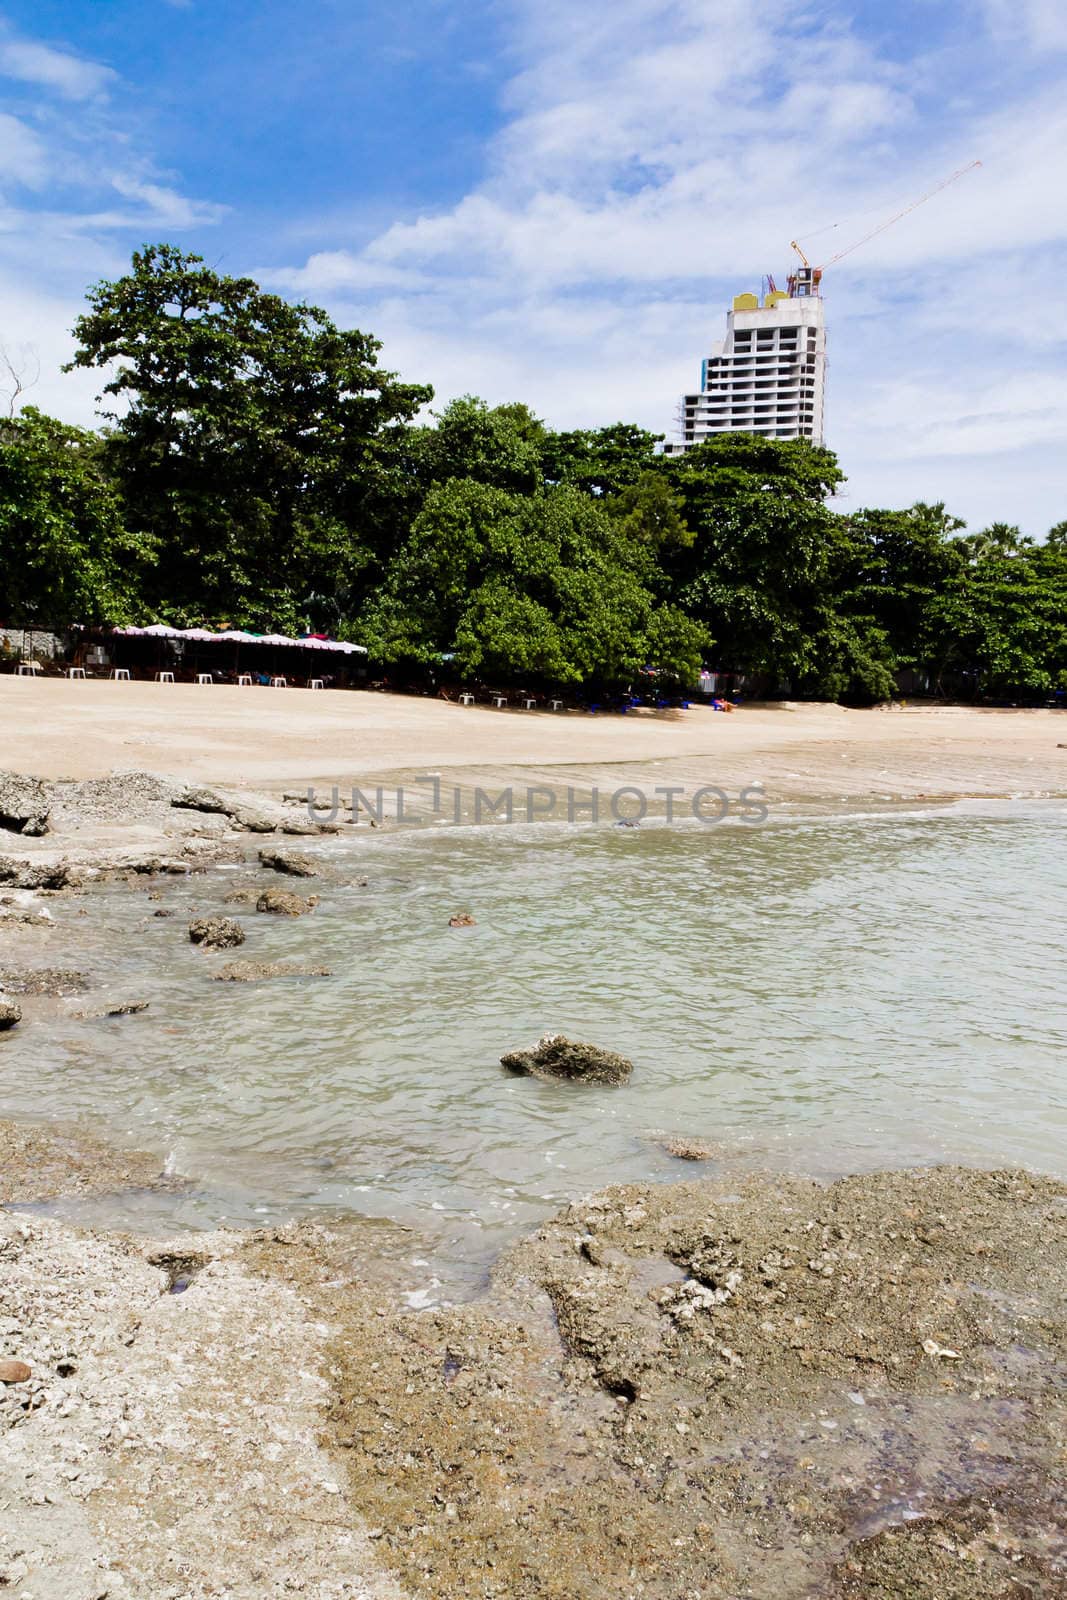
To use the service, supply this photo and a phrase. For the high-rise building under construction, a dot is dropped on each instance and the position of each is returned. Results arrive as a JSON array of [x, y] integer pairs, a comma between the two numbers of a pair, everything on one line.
[[768, 376]]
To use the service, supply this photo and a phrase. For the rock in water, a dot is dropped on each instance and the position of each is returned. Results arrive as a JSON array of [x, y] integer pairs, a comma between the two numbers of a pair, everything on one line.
[[462, 919], [685, 1149], [283, 903], [24, 804], [297, 866], [10, 1013], [216, 933], [257, 971], [556, 1056]]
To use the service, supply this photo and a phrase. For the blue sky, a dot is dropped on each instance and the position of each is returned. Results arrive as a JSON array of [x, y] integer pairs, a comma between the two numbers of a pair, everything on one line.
[[554, 202]]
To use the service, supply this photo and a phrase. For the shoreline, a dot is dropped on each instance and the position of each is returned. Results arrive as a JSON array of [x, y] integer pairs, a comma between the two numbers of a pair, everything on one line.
[[477, 1449]]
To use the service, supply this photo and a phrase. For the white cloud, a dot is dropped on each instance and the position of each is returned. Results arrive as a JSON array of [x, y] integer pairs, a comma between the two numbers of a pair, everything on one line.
[[66, 74], [658, 155], [1041, 24], [22, 155]]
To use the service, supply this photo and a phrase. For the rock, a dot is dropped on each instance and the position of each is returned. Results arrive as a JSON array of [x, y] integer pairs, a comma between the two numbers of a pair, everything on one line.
[[163, 912], [257, 971], [297, 866], [304, 825], [121, 1008], [202, 800], [558, 1057], [24, 804], [15, 1371], [462, 919], [216, 933], [253, 820], [37, 874], [43, 980], [10, 1013], [241, 897], [28, 919], [282, 903], [686, 1149]]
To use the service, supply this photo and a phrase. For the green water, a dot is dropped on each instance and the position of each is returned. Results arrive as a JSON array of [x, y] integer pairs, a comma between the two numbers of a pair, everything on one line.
[[823, 995]]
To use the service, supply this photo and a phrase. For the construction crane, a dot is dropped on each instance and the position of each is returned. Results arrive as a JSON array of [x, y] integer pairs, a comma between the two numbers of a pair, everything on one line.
[[806, 279]]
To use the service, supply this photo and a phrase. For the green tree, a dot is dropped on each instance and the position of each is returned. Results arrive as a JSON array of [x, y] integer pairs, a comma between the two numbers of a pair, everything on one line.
[[513, 585], [757, 571], [600, 461], [66, 555], [1001, 624], [246, 432]]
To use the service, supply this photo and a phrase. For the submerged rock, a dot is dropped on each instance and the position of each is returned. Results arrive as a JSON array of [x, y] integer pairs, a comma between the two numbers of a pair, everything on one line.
[[24, 804], [462, 919], [283, 903], [54, 981], [216, 933], [288, 861], [556, 1056], [10, 1013], [257, 971]]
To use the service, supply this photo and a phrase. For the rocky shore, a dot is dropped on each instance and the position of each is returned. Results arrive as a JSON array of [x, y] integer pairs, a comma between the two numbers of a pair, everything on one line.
[[773, 1390], [754, 1389]]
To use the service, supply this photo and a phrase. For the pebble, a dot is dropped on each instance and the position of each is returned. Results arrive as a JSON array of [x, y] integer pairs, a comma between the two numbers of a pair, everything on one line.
[[14, 1372]]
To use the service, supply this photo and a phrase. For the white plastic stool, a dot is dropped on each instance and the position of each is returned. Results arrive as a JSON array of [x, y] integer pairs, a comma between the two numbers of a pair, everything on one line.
[[278, 683], [164, 677], [245, 680], [120, 675], [466, 699], [204, 677], [75, 672], [316, 683], [529, 704], [28, 669], [557, 705], [500, 699]]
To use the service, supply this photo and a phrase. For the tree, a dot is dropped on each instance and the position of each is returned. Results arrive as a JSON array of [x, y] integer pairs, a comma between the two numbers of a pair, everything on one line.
[[1001, 623], [244, 431], [66, 555], [600, 461], [756, 570], [549, 586]]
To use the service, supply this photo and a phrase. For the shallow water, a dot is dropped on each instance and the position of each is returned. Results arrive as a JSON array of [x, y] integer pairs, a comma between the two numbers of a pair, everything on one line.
[[827, 994]]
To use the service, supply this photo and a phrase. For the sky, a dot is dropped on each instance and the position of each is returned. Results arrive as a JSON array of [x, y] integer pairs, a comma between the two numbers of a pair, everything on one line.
[[555, 202]]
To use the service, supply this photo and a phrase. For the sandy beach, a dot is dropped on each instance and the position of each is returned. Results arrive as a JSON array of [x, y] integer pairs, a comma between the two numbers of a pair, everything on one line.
[[273, 740]]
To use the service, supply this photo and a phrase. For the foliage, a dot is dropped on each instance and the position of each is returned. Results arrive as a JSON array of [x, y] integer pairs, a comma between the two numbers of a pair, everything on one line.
[[550, 585], [65, 553], [243, 429], [259, 468]]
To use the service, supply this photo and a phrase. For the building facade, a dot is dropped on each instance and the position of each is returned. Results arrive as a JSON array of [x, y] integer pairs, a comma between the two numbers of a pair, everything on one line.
[[768, 376]]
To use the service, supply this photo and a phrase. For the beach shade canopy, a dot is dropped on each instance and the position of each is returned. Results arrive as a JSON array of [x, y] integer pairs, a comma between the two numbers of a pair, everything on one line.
[[159, 630]]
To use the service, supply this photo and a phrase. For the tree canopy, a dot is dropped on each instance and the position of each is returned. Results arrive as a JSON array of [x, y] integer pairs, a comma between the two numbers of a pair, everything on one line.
[[256, 466]]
